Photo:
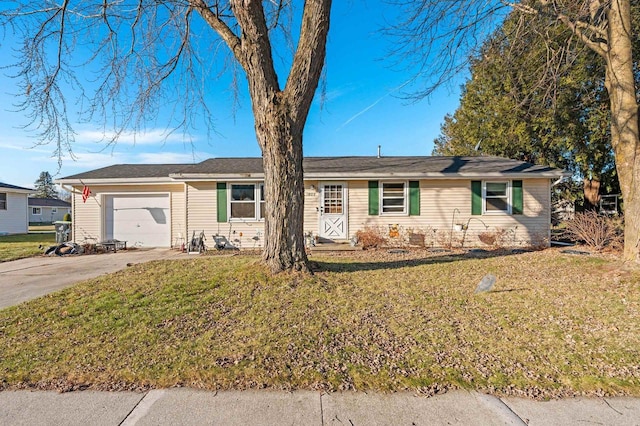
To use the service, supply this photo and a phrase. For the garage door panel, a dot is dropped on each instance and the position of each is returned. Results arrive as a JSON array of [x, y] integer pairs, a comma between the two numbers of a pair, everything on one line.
[[141, 220]]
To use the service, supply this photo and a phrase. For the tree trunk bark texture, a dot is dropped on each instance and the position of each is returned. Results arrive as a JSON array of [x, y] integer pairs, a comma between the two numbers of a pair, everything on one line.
[[281, 142], [280, 116], [620, 84], [591, 190]]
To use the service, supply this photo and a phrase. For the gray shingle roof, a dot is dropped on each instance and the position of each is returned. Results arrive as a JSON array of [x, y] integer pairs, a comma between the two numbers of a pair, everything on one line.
[[130, 171], [371, 166], [375, 165], [18, 188], [47, 202]]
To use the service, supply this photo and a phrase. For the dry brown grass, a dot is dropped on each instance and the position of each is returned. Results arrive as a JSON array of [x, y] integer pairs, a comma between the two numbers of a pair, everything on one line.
[[555, 325]]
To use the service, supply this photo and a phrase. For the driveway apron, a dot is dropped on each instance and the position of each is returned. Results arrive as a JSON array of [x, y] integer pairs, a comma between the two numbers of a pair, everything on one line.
[[26, 279]]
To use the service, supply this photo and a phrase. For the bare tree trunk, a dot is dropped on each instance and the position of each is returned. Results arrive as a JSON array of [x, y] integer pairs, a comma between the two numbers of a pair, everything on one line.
[[624, 120], [591, 188], [281, 142], [280, 116]]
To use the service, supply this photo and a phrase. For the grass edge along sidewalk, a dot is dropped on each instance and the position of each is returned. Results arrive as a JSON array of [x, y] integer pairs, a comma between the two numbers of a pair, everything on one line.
[[555, 325]]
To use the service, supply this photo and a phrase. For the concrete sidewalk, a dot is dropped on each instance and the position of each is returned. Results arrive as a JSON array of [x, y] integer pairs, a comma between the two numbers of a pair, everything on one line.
[[193, 407]]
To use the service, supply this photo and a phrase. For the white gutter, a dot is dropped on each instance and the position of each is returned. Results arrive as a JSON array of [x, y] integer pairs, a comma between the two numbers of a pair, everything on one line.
[[119, 181]]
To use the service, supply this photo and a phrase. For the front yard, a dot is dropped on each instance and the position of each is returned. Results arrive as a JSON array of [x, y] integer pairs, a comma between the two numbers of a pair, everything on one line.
[[19, 246], [554, 325]]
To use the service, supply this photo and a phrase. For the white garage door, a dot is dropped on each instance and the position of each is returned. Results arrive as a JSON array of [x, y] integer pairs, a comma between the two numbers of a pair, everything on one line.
[[141, 220]]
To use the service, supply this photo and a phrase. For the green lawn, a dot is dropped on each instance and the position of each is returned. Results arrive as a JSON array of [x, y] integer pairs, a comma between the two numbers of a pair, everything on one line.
[[14, 247], [555, 325]]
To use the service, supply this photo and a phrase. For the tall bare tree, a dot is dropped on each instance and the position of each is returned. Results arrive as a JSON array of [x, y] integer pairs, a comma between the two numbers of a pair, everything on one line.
[[440, 35], [147, 52]]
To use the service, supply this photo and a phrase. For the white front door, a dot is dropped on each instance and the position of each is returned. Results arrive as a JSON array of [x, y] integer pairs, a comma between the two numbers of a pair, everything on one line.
[[333, 211]]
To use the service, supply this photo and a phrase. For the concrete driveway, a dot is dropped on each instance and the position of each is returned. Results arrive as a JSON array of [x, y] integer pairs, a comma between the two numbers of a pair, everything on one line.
[[26, 279]]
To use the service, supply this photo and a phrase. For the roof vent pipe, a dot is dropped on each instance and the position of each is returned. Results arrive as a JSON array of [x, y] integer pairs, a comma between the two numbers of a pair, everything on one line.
[[379, 146]]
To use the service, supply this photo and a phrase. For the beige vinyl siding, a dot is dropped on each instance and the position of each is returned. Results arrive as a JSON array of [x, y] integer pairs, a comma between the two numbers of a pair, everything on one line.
[[202, 216], [359, 217], [531, 227], [446, 202], [201, 208], [311, 204], [178, 214], [193, 209], [88, 217], [14, 220]]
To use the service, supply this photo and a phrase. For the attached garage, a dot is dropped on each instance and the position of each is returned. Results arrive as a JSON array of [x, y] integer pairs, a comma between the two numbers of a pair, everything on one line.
[[143, 220]]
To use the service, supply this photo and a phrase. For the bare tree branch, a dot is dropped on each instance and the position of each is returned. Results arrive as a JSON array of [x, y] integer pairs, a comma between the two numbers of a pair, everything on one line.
[[309, 58]]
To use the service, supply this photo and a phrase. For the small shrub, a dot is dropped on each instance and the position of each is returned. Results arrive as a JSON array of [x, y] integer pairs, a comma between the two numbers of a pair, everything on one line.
[[370, 237], [595, 231], [498, 238], [488, 238], [416, 239], [448, 240], [67, 217]]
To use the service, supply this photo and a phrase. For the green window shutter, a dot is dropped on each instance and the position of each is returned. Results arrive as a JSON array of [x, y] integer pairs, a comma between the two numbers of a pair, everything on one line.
[[414, 198], [374, 198], [476, 197], [516, 197], [222, 201]]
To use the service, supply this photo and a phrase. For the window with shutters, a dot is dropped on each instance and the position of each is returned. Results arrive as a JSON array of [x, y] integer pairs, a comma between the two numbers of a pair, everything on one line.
[[496, 197], [393, 198], [3, 200]]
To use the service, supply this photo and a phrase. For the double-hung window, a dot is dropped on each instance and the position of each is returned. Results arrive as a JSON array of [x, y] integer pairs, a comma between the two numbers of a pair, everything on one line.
[[3, 200], [394, 198], [496, 197], [246, 201], [36, 211]]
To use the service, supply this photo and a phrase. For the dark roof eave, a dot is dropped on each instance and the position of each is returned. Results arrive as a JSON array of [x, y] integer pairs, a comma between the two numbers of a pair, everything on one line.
[[551, 174], [320, 168]]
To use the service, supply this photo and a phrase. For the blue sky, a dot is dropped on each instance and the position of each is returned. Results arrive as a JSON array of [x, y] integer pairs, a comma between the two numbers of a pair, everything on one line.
[[363, 109]]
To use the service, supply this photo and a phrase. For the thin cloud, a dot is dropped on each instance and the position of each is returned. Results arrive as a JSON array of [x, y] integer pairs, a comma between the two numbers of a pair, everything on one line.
[[28, 147], [150, 137], [376, 102]]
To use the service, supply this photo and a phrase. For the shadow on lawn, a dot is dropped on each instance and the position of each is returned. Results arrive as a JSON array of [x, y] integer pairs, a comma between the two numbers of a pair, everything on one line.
[[429, 259]]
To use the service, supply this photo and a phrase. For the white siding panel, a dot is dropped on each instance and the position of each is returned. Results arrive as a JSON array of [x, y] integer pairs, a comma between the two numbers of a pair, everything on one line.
[[48, 215], [14, 220]]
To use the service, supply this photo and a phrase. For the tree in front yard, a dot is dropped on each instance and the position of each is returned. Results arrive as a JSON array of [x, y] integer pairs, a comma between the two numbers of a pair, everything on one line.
[[145, 52]]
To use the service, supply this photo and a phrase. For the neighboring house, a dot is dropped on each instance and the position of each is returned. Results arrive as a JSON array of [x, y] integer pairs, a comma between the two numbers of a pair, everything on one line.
[[47, 210], [445, 199], [13, 209]]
